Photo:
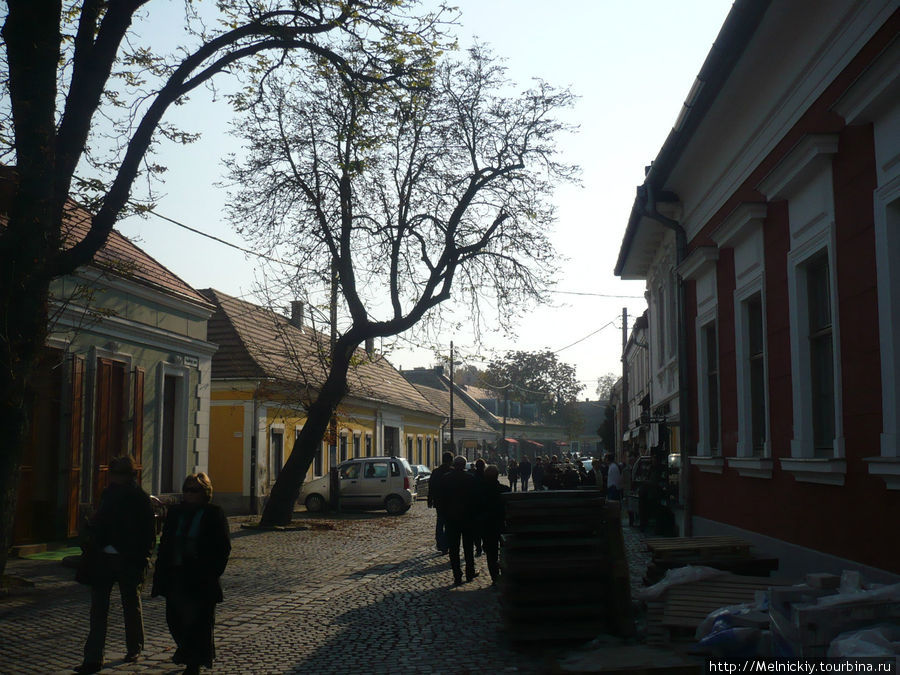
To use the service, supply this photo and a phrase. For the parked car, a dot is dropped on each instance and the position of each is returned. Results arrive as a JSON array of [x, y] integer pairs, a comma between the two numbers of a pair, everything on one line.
[[366, 482], [423, 479]]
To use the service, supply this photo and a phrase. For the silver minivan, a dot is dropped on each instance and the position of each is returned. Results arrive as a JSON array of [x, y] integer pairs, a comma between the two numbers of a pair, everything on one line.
[[365, 482]]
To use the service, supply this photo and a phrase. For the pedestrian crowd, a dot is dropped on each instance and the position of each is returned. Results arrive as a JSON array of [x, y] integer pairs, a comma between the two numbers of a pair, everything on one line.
[[117, 550], [469, 514], [470, 509]]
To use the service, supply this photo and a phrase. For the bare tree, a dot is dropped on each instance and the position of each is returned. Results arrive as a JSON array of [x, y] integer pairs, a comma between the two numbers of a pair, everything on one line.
[[410, 197], [82, 104]]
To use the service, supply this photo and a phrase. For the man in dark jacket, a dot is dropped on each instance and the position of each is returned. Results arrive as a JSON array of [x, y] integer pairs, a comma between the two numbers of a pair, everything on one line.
[[121, 539], [525, 472], [490, 518], [435, 500], [458, 496]]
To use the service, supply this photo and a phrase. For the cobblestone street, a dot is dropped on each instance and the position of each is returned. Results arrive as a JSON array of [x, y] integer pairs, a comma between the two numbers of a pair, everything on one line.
[[370, 595]]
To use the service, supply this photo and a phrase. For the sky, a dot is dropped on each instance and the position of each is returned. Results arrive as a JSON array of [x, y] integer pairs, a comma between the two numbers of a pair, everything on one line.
[[631, 64]]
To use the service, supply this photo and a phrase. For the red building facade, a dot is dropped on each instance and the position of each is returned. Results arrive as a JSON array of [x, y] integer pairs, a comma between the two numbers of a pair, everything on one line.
[[782, 178]]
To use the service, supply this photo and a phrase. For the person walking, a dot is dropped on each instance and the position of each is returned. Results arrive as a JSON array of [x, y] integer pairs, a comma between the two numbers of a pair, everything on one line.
[[491, 515], [537, 473], [458, 494], [613, 480], [120, 540], [478, 472], [525, 472], [512, 472], [193, 553], [435, 501]]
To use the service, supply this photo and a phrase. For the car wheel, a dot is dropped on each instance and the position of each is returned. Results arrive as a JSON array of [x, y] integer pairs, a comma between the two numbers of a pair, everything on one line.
[[395, 505], [315, 503]]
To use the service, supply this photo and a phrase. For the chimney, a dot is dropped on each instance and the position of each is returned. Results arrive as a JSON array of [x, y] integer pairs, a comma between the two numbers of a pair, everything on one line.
[[297, 313], [370, 346]]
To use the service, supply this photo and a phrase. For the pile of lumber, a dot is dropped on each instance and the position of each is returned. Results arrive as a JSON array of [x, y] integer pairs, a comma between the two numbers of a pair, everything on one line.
[[731, 554], [563, 570], [675, 615]]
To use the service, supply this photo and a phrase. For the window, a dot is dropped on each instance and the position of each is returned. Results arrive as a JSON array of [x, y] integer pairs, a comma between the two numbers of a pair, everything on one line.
[[318, 460], [428, 451], [711, 381], [673, 315], [350, 471], [757, 375], [277, 452], [368, 445], [343, 447], [419, 450], [409, 448], [660, 326], [356, 447], [376, 470], [821, 355], [332, 456]]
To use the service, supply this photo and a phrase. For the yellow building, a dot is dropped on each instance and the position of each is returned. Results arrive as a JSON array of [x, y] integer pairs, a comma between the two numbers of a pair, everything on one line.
[[265, 373]]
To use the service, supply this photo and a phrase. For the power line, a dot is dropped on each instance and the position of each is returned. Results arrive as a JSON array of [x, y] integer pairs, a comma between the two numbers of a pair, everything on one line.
[[263, 256], [599, 295], [606, 325]]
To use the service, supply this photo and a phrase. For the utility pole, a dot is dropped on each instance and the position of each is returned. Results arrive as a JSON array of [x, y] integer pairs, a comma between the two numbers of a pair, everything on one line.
[[505, 408], [452, 438]]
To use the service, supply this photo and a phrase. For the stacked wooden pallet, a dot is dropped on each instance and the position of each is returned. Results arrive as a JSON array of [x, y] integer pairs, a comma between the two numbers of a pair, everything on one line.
[[731, 554], [564, 574], [675, 615]]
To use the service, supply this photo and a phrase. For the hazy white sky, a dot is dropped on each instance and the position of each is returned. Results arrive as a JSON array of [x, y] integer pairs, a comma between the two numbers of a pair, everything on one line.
[[631, 62]]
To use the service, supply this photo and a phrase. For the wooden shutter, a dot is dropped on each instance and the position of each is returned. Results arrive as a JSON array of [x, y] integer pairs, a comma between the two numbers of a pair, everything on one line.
[[137, 420], [73, 453]]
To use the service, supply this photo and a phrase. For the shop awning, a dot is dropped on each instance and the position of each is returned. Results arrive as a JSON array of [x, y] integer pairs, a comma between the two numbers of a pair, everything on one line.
[[511, 440]]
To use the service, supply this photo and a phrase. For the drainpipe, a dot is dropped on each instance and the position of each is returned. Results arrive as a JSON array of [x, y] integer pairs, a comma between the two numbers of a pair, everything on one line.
[[684, 431]]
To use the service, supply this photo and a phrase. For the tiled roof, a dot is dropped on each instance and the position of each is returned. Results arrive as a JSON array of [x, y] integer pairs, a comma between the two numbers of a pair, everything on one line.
[[118, 255], [255, 342]]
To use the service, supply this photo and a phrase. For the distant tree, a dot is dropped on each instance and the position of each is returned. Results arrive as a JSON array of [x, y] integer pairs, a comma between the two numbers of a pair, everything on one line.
[[84, 94], [536, 377], [406, 197], [605, 384], [468, 375]]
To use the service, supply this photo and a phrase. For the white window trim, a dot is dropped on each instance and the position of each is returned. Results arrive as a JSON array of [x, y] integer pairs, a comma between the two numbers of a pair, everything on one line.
[[180, 458], [744, 222], [805, 161], [887, 251], [270, 460], [699, 263], [802, 443], [742, 354], [704, 448]]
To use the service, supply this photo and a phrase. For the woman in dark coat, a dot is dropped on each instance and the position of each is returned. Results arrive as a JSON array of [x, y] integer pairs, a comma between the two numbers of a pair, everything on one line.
[[193, 552]]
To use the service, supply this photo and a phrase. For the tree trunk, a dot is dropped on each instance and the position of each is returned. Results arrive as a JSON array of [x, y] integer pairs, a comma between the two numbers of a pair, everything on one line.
[[279, 508], [23, 306]]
